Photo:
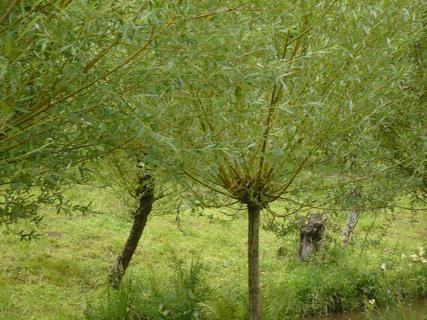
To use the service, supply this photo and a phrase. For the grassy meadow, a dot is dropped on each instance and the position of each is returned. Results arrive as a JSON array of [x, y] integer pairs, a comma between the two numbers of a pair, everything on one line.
[[189, 104], [198, 271]]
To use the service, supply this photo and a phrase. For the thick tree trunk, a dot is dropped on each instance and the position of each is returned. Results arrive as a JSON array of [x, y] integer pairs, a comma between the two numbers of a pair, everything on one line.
[[311, 235], [352, 219], [146, 199], [253, 262]]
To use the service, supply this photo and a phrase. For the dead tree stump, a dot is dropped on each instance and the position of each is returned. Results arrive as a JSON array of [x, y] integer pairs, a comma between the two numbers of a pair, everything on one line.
[[312, 230]]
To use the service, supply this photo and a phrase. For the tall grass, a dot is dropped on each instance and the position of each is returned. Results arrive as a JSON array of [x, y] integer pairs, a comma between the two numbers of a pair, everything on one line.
[[341, 283], [179, 297]]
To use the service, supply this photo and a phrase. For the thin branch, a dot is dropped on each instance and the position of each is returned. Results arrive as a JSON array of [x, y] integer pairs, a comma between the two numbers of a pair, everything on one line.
[[128, 61], [353, 208], [205, 184], [216, 12], [101, 54]]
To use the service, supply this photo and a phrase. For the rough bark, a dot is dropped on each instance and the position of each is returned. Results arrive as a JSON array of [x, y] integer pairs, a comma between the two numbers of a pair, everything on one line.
[[312, 232], [253, 262], [146, 199], [352, 219]]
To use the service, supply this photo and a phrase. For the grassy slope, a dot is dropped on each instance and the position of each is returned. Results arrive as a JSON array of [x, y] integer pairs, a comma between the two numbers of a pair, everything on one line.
[[55, 277]]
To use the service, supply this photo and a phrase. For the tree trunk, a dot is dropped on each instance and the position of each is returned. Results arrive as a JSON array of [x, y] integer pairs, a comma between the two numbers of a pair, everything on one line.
[[312, 233], [253, 262], [146, 199], [352, 219]]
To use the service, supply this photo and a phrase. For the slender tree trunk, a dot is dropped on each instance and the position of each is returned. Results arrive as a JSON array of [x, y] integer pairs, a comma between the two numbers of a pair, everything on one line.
[[253, 262], [350, 225], [352, 218], [146, 199]]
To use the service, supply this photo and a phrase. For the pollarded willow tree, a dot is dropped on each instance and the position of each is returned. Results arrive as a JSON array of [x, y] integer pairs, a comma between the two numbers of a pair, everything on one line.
[[65, 68], [144, 167], [283, 83]]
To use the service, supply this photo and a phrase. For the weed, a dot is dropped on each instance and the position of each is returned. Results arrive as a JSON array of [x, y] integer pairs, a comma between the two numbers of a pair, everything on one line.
[[179, 298]]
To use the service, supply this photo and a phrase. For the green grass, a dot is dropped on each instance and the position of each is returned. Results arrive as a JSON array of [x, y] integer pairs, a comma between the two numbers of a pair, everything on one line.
[[63, 274]]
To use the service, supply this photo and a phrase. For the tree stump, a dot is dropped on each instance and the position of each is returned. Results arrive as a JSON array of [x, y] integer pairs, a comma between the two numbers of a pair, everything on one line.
[[312, 230]]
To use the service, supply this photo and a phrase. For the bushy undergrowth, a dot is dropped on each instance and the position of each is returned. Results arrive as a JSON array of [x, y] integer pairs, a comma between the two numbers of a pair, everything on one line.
[[179, 297], [342, 282]]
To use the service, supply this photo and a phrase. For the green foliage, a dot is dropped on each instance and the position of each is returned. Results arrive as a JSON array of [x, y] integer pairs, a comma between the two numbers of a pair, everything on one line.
[[342, 284], [290, 92], [65, 69], [179, 298], [257, 102], [274, 104]]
